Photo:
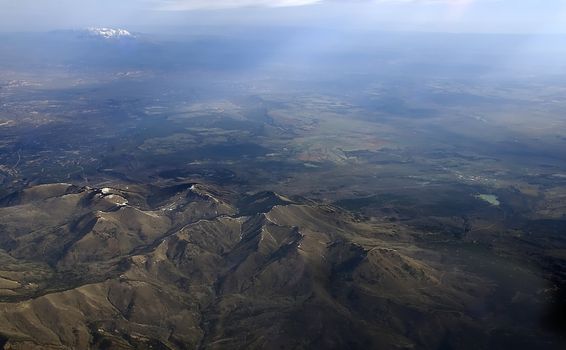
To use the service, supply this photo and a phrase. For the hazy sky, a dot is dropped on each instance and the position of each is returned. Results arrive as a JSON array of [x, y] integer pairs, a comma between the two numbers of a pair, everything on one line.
[[527, 16]]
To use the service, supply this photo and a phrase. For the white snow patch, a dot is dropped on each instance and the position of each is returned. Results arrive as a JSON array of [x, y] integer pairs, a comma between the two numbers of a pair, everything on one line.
[[109, 33]]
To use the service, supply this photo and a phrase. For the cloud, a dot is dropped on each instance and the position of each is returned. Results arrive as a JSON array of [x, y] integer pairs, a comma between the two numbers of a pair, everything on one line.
[[187, 5]]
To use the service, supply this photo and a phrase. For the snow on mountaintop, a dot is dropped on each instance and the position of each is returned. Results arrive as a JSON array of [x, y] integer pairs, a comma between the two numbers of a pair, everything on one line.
[[109, 33]]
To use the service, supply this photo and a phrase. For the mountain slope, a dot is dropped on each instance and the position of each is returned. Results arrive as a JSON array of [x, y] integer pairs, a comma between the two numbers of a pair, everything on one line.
[[192, 266]]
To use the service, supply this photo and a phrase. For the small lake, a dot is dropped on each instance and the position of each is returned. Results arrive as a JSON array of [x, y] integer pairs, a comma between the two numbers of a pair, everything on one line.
[[490, 198]]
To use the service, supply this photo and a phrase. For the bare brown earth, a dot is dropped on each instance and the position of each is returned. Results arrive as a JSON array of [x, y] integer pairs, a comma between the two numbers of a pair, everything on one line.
[[193, 266]]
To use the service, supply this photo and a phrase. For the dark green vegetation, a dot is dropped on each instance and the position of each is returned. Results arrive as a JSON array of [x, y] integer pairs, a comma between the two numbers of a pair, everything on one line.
[[180, 203]]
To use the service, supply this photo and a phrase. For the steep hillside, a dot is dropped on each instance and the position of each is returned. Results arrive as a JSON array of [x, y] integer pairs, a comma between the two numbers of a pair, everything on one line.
[[192, 266]]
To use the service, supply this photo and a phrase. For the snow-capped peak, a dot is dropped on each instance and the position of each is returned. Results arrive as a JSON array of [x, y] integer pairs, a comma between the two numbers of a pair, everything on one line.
[[110, 33]]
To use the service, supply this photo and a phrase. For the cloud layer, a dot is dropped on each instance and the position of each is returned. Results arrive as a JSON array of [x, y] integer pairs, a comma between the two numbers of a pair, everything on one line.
[[187, 5]]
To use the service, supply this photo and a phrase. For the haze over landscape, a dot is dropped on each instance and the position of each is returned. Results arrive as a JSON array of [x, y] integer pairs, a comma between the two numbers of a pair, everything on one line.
[[283, 174]]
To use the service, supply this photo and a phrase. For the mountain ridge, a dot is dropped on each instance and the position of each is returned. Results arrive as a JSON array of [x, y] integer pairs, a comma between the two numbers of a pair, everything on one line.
[[202, 273]]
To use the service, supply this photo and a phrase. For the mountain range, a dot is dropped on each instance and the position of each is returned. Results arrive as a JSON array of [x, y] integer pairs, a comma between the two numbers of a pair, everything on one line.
[[193, 266]]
